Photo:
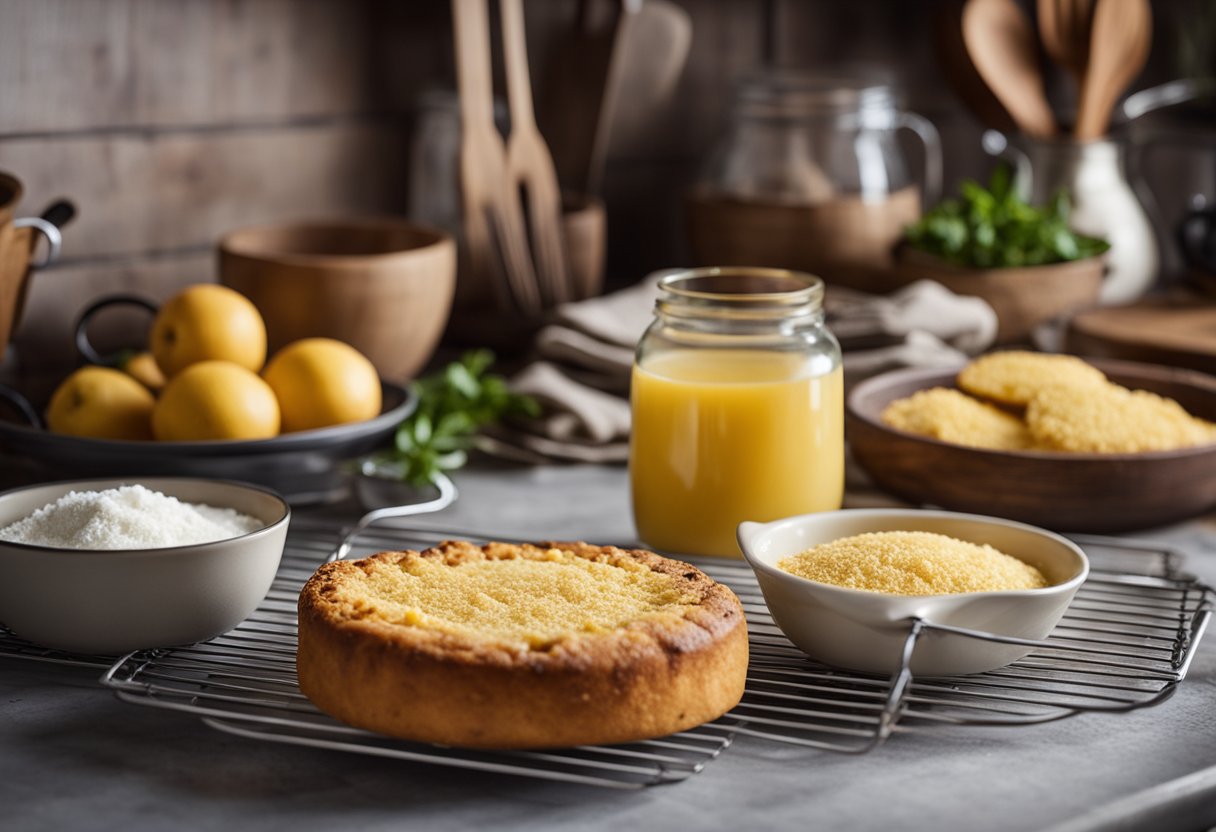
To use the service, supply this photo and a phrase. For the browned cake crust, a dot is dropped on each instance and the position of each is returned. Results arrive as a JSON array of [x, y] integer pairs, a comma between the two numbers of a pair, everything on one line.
[[651, 677]]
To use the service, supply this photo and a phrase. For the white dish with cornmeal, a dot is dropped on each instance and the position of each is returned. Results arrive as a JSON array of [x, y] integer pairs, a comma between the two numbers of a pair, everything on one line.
[[866, 630], [107, 600]]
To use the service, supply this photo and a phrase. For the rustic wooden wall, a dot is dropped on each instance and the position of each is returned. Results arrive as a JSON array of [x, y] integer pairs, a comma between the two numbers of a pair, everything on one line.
[[171, 122]]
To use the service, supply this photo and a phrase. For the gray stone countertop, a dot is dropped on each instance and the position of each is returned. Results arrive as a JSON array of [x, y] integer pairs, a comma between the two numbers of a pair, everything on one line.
[[73, 757]]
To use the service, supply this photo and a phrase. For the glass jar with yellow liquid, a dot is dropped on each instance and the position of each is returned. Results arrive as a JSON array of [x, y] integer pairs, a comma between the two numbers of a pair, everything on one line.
[[738, 408]]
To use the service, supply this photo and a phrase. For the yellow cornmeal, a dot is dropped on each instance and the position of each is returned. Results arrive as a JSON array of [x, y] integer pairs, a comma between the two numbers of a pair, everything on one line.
[[912, 563], [518, 599], [952, 416], [1014, 377], [1113, 419]]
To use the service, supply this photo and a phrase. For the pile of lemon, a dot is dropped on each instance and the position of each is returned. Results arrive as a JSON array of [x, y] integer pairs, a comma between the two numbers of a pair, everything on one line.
[[203, 378]]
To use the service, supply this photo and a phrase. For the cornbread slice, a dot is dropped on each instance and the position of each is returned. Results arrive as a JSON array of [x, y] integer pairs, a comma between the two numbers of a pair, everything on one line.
[[1013, 377], [520, 646], [952, 416], [1112, 419], [912, 563]]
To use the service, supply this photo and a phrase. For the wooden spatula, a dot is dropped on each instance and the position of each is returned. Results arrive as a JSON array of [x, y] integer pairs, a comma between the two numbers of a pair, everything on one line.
[[581, 85], [494, 229], [960, 71], [1002, 44], [529, 163], [1118, 49]]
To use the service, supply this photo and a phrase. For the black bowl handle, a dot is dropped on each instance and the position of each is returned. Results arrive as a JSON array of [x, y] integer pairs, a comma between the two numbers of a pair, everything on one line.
[[83, 344], [22, 405]]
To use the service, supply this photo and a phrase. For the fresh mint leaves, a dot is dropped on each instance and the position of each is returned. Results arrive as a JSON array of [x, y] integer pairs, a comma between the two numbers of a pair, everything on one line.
[[992, 228], [453, 405]]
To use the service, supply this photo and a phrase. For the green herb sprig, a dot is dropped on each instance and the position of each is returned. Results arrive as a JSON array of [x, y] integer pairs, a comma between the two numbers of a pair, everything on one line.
[[993, 228], [453, 405]]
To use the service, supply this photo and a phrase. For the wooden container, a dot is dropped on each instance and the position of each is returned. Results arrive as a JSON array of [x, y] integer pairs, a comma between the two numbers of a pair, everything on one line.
[[477, 320], [846, 240], [383, 286], [15, 251], [1104, 493], [1023, 297]]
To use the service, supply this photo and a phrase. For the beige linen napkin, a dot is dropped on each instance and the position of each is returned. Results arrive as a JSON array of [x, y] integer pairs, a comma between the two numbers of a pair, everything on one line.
[[585, 357]]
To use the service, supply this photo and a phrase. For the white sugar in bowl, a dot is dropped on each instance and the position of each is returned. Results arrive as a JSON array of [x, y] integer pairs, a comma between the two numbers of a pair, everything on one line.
[[117, 600]]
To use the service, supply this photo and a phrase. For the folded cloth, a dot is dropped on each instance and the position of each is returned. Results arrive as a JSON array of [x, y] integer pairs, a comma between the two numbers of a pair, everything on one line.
[[584, 360]]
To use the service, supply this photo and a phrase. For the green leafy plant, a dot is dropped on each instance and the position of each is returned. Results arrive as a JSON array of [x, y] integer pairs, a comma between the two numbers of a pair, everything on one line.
[[993, 228], [453, 405]]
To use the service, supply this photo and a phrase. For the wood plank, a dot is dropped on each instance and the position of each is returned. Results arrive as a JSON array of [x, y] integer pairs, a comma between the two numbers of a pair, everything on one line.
[[176, 190], [144, 63], [43, 341]]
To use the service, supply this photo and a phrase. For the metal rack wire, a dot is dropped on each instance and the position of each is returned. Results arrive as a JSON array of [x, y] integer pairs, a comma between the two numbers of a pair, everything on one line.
[[13, 646], [1126, 642]]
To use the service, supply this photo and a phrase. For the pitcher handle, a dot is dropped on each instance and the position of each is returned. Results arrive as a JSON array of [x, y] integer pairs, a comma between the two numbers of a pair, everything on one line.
[[931, 141], [54, 240], [1166, 95]]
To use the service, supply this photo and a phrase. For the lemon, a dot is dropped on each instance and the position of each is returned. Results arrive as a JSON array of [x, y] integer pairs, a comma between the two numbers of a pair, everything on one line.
[[215, 400], [208, 322], [143, 368], [321, 382], [102, 403]]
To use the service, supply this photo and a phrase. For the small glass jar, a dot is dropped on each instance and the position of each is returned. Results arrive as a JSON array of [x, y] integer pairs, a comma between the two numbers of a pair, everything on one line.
[[738, 408]]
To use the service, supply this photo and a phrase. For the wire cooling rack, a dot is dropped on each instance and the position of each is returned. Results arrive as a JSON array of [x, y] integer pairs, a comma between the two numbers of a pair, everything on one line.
[[13, 646], [1126, 642]]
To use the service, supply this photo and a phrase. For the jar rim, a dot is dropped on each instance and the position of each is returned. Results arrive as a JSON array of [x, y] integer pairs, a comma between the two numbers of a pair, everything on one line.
[[751, 286]]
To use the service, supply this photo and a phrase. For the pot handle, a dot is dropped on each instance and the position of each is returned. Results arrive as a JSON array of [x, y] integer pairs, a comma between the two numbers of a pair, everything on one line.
[[54, 240], [931, 141], [1193, 231], [22, 405], [83, 345]]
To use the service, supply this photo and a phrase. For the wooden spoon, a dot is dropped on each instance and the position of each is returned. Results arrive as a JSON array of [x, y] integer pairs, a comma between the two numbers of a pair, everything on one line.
[[529, 163], [1064, 26], [1002, 44], [1118, 49]]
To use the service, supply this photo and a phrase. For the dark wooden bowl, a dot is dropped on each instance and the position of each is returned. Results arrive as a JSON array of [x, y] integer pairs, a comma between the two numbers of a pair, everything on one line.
[[1102, 493]]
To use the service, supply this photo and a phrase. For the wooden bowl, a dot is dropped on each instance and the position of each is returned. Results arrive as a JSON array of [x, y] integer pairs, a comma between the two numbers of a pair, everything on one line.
[[1102, 493], [1023, 298], [383, 286]]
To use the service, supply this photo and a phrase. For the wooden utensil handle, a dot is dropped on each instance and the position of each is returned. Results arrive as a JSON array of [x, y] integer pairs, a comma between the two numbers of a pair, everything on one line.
[[474, 77], [515, 56]]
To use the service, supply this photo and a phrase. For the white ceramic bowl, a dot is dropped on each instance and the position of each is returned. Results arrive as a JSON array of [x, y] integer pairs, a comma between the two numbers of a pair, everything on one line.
[[90, 601], [866, 630]]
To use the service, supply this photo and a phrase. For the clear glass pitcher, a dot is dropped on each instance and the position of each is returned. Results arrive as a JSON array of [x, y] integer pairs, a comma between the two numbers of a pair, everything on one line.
[[810, 176]]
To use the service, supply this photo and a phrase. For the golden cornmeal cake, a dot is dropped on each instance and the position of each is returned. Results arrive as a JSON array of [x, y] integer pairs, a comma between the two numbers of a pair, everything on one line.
[[1013, 377], [520, 646], [955, 417], [1113, 419]]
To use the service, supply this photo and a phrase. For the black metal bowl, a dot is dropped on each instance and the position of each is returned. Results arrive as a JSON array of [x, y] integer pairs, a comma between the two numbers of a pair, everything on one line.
[[305, 467]]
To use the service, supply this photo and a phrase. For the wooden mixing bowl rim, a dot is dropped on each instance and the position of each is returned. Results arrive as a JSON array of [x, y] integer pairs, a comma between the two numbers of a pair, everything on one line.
[[937, 377], [249, 242]]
